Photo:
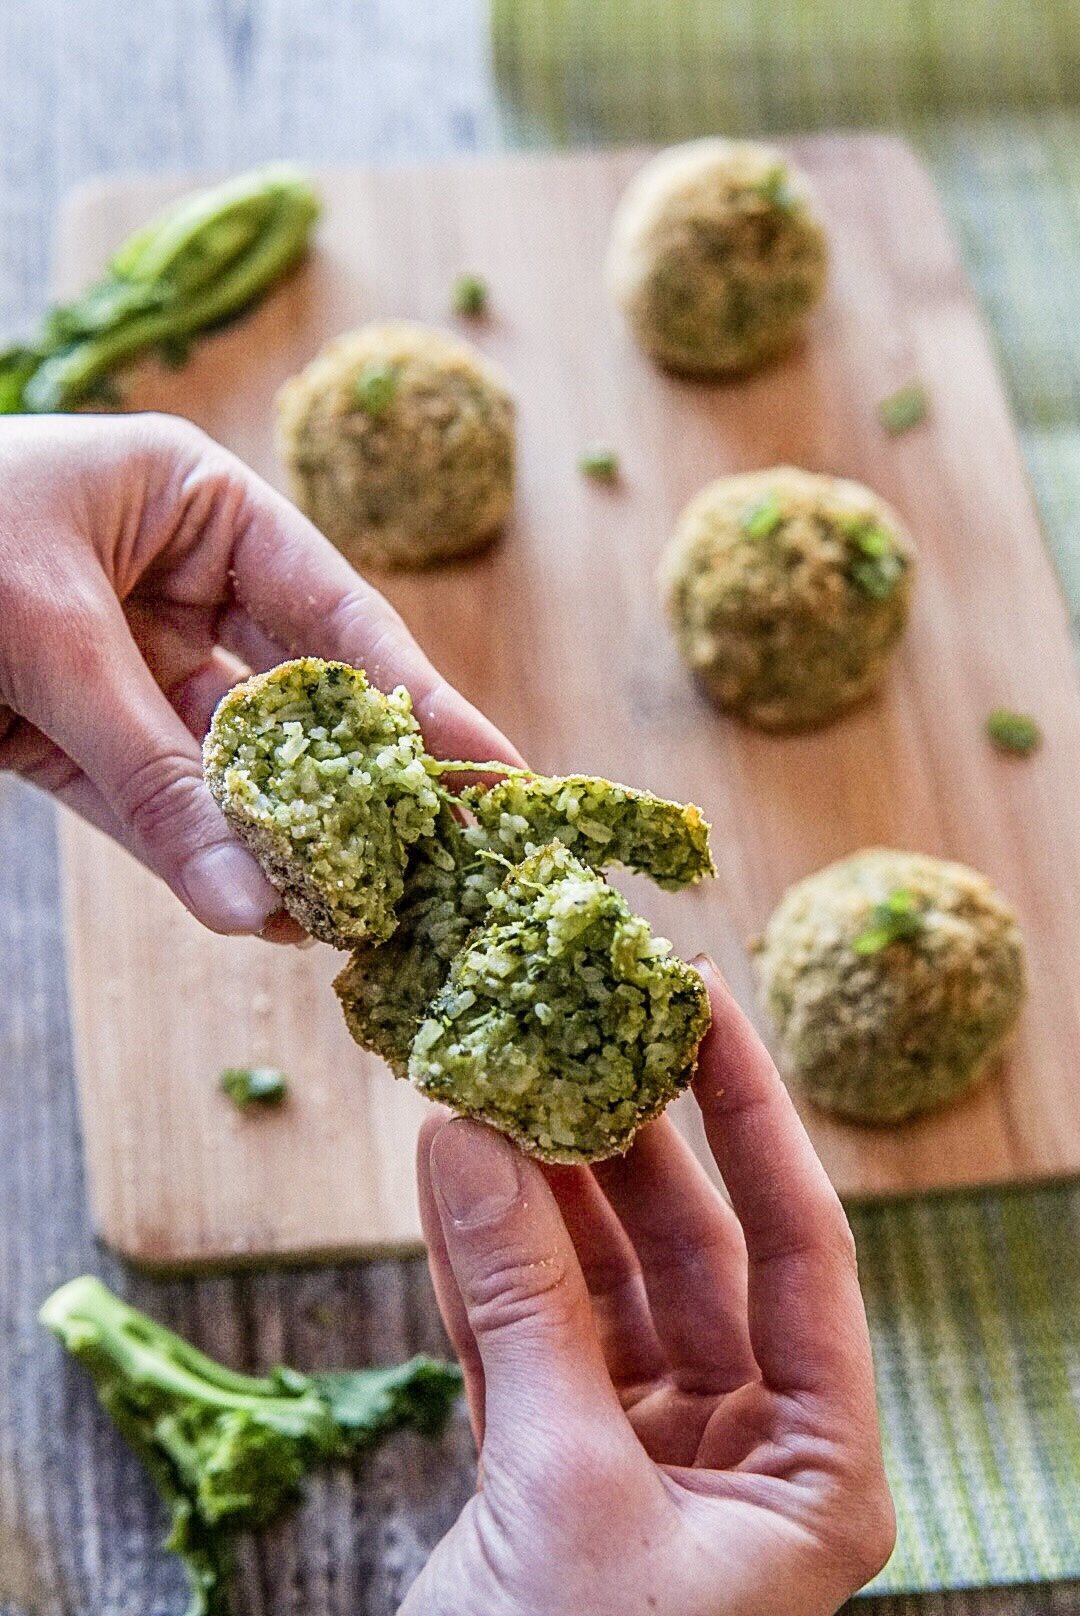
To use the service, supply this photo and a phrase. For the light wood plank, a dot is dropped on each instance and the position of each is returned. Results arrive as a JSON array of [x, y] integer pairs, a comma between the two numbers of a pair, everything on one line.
[[557, 634]]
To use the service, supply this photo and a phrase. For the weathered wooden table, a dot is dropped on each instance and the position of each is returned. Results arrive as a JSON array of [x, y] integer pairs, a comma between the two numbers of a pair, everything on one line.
[[95, 87]]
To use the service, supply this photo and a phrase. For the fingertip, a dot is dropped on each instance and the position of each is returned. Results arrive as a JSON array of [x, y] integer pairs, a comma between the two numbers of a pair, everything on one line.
[[438, 1116], [712, 976], [475, 1173], [224, 888], [454, 728]]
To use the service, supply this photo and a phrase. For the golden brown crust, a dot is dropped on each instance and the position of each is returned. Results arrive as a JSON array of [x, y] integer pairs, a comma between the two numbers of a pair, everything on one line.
[[775, 625], [426, 478]]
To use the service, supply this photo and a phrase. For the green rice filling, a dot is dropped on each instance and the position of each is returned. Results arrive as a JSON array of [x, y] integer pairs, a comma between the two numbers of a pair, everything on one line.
[[329, 782], [330, 777], [563, 1021], [386, 990], [603, 823]]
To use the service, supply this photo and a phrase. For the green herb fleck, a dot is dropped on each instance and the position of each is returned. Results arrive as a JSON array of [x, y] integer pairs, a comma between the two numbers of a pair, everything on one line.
[[261, 1085], [376, 387], [878, 566], [878, 576], [761, 520], [897, 919], [1013, 732], [470, 296], [775, 189], [602, 465], [904, 409], [874, 541]]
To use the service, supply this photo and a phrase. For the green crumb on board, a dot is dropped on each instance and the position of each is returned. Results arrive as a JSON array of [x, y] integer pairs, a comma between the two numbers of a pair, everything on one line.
[[897, 919], [470, 296], [1013, 732], [602, 465], [376, 388], [254, 1085], [904, 409]]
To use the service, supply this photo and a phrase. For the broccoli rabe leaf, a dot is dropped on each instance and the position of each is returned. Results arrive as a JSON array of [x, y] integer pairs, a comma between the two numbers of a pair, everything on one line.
[[202, 261], [367, 1406]]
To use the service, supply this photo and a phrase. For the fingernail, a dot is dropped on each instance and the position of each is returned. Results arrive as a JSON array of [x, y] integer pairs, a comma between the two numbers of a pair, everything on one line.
[[705, 965], [227, 890], [474, 1172]]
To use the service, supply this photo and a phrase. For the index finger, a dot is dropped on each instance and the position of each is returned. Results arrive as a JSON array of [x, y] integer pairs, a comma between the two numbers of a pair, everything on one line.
[[807, 1323], [301, 592]]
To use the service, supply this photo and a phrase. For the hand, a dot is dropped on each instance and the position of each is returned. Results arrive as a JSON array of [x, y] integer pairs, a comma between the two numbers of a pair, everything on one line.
[[143, 570], [673, 1400]]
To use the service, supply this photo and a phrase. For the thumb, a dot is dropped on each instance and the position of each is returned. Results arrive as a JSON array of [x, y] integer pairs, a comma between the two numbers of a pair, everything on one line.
[[95, 698], [523, 1293]]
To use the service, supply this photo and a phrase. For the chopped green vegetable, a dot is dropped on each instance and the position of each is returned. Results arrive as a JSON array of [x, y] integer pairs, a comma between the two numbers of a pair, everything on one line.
[[470, 296], [264, 1085], [602, 465], [874, 541], [897, 919], [376, 387], [904, 409], [200, 263], [228, 1452], [1013, 732], [878, 565], [775, 188], [761, 520], [878, 576]]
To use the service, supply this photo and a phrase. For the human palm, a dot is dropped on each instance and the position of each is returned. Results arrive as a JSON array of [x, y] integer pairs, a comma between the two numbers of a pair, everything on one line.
[[673, 1398]]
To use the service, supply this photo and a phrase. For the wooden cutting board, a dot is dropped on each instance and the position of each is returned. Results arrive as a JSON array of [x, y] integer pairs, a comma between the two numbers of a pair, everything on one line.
[[558, 635]]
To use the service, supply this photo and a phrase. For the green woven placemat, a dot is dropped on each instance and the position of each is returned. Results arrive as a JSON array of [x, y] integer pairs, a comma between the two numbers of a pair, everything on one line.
[[973, 1299]]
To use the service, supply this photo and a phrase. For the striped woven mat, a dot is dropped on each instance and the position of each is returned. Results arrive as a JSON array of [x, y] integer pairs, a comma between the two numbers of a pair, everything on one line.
[[973, 1299], [974, 1308]]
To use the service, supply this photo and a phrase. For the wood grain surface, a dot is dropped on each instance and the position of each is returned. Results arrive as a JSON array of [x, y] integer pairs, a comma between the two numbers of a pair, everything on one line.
[[558, 635], [225, 83]]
